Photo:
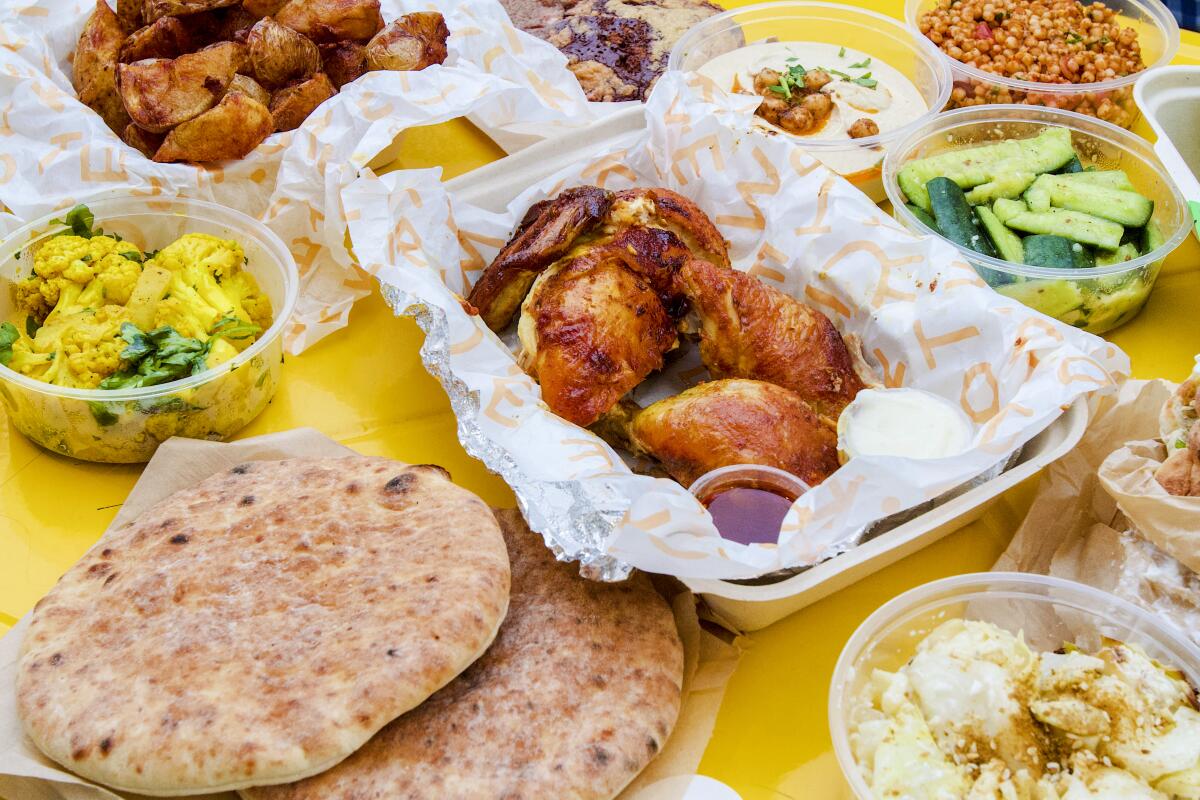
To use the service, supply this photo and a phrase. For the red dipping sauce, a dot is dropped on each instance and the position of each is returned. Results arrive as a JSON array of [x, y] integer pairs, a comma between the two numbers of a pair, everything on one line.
[[748, 514]]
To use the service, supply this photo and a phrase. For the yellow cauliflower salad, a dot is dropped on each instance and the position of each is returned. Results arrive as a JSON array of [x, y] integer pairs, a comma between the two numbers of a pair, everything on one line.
[[98, 313]]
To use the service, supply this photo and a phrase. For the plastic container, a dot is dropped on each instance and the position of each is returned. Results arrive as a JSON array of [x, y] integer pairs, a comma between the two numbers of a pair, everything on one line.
[[1170, 99], [1050, 612], [708, 486], [1112, 101], [127, 425], [1098, 299], [880, 37]]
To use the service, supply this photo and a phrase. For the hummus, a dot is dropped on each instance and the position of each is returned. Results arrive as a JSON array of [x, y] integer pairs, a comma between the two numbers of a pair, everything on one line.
[[866, 88]]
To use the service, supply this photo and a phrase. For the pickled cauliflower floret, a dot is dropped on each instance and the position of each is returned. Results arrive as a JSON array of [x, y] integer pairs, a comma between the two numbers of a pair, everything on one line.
[[976, 714], [99, 314]]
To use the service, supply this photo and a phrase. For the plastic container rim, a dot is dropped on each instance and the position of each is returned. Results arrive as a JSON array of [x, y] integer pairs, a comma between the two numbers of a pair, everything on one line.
[[933, 58], [212, 212], [1078, 596], [1157, 12], [949, 120]]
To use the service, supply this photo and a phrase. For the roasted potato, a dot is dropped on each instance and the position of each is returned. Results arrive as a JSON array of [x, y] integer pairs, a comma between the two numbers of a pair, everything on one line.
[[412, 42], [279, 55], [94, 74], [326, 21], [145, 141], [263, 8], [232, 24], [291, 106], [237, 125], [160, 93], [153, 10], [343, 62], [249, 87], [165, 38], [129, 13]]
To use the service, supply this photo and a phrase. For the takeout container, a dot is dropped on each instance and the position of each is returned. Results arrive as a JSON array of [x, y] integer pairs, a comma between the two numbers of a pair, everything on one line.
[[127, 425], [879, 36], [1170, 99], [500, 415], [1111, 295], [1049, 611], [1112, 101]]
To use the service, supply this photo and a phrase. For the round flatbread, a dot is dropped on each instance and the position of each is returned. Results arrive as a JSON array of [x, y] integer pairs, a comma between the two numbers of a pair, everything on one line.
[[577, 694], [261, 626]]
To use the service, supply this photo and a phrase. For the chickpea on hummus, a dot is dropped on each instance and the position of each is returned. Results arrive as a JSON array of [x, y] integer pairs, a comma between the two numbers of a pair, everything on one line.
[[821, 91]]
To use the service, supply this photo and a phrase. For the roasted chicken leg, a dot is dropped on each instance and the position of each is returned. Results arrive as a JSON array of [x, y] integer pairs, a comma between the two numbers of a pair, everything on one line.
[[749, 330], [725, 422], [596, 323]]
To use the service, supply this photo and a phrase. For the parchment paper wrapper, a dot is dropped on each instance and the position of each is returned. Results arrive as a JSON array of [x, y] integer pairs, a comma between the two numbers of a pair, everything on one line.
[[57, 152], [1097, 518], [25, 774], [925, 317]]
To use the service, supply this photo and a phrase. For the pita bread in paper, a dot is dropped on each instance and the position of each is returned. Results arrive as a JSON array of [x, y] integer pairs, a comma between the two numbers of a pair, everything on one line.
[[578, 693], [261, 626]]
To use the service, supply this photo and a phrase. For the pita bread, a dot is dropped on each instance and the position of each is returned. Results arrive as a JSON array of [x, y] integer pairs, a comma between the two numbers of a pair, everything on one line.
[[579, 691], [261, 626]]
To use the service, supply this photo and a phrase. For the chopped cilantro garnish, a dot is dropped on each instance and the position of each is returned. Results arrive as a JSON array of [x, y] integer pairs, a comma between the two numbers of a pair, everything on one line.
[[842, 53], [862, 64]]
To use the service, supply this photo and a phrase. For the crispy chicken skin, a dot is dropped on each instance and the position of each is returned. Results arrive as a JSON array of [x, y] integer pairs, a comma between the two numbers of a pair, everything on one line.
[[594, 325], [671, 211], [749, 330], [725, 422], [547, 231]]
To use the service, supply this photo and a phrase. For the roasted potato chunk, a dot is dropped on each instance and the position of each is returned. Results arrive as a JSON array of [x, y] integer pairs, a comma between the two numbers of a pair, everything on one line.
[[129, 14], [343, 62], [142, 140], [166, 38], [160, 93], [153, 10], [237, 125], [250, 87], [263, 8], [332, 20], [94, 74], [279, 55], [291, 106], [412, 42]]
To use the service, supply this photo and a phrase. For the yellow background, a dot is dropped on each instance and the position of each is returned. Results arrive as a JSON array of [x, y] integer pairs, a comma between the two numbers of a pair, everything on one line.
[[365, 386]]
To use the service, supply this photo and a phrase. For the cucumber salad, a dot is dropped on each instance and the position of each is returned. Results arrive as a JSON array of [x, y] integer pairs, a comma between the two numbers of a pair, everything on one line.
[[1031, 201]]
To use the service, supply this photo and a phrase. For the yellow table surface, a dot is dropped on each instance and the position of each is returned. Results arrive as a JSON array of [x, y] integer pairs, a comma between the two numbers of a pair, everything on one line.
[[365, 386]]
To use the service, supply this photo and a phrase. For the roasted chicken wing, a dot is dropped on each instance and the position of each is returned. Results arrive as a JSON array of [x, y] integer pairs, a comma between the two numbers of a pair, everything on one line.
[[575, 217], [726, 422], [596, 323], [547, 231], [749, 330]]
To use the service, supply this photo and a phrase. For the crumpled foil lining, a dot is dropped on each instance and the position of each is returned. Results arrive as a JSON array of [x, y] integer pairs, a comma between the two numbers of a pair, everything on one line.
[[590, 520]]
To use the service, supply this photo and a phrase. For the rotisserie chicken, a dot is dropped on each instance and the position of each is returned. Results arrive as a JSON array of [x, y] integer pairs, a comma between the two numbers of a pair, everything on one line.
[[734, 421], [607, 284], [749, 330]]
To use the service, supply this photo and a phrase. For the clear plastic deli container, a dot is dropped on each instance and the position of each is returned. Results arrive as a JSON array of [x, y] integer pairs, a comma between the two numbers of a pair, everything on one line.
[[1110, 100], [882, 38], [1050, 612], [127, 425], [1097, 299]]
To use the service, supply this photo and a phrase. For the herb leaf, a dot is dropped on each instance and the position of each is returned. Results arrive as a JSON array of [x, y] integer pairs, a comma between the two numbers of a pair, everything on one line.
[[862, 64], [842, 53], [80, 220], [8, 337], [31, 327]]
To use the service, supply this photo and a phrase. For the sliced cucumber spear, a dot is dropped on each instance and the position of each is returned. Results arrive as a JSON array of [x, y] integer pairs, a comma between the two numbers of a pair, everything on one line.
[[954, 217], [1080, 227], [1118, 205]]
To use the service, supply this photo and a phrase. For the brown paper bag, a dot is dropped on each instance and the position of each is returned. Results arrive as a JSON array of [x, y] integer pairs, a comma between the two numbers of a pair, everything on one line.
[[1096, 520], [25, 774]]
